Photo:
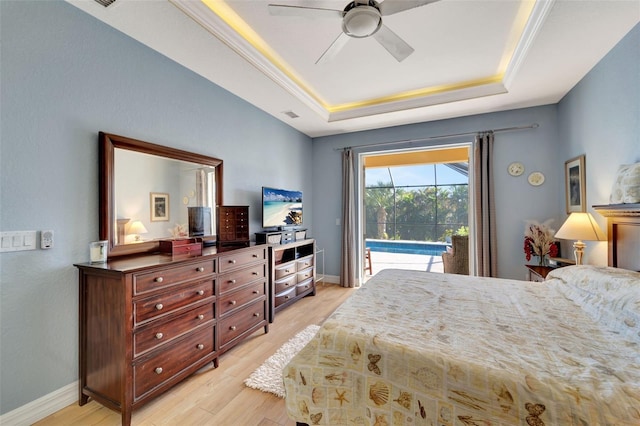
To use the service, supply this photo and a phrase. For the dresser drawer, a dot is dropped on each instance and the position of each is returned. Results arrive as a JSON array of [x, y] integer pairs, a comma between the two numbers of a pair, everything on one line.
[[304, 286], [235, 260], [153, 372], [160, 334], [236, 300], [160, 279], [305, 274], [304, 263], [285, 283], [233, 280], [285, 269], [164, 303], [241, 321], [285, 296]]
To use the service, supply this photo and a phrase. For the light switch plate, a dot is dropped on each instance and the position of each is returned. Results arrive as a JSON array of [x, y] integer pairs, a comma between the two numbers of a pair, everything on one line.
[[17, 241]]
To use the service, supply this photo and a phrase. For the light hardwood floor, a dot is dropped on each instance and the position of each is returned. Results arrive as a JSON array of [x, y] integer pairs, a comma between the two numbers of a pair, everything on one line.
[[218, 396]]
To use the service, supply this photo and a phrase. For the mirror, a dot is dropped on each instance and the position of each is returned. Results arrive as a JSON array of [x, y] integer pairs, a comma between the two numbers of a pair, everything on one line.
[[150, 192]]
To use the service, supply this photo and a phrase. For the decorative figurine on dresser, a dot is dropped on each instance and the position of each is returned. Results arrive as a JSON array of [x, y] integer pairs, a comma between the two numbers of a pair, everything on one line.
[[149, 318]]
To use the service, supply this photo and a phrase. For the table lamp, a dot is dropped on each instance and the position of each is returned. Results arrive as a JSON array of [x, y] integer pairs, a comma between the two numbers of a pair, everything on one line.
[[580, 226], [136, 229]]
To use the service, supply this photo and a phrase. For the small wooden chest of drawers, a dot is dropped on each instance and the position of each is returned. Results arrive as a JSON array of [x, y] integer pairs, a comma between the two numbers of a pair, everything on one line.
[[233, 226]]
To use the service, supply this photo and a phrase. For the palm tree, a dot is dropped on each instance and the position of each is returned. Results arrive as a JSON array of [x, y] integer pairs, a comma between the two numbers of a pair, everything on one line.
[[378, 198]]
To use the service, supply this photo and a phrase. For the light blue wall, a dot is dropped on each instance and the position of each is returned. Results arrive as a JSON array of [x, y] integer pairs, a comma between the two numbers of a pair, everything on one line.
[[600, 118], [66, 76], [516, 200]]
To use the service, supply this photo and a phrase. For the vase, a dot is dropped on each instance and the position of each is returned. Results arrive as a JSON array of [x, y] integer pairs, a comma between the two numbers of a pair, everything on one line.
[[542, 260]]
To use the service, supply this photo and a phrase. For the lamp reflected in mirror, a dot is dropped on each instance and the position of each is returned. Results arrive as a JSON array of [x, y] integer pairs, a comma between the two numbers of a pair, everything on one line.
[[135, 230], [580, 226]]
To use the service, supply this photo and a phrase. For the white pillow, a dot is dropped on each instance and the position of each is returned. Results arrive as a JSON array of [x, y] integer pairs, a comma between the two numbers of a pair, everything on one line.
[[626, 186]]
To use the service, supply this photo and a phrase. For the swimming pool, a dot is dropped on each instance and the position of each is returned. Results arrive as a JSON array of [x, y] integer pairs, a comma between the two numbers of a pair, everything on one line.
[[407, 247]]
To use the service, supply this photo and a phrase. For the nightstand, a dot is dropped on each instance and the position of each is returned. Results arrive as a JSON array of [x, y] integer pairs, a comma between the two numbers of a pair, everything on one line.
[[538, 273]]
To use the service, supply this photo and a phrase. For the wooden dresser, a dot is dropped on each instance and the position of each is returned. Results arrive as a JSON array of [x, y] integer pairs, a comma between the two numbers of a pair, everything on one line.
[[147, 322]]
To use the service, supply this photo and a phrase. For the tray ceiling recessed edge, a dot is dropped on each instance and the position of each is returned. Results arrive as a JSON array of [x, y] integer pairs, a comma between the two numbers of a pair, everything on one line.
[[221, 21]]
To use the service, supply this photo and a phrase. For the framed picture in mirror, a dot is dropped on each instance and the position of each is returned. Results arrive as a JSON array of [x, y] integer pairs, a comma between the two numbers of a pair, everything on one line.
[[159, 207]]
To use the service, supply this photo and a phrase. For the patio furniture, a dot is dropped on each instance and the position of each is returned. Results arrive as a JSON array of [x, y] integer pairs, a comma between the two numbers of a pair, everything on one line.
[[457, 262]]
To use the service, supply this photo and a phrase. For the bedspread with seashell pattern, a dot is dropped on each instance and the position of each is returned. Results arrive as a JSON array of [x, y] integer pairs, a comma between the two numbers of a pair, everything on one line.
[[419, 348]]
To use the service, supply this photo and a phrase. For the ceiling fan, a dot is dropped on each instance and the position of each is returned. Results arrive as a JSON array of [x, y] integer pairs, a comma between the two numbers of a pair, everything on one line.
[[360, 19]]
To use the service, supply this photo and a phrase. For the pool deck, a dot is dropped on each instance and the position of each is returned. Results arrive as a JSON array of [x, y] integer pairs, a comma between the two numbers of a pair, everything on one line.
[[416, 262]]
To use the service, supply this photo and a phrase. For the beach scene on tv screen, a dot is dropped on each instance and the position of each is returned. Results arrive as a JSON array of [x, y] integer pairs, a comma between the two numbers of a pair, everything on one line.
[[281, 207]]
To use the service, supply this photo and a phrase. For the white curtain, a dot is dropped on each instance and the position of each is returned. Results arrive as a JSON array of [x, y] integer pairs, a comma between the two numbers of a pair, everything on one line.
[[202, 188], [485, 217], [348, 269]]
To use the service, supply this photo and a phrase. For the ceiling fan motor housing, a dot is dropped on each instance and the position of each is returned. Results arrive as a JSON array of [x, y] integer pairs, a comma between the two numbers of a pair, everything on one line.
[[361, 21]]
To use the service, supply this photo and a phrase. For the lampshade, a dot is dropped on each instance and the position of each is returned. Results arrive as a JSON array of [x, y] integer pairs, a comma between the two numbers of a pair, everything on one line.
[[580, 226], [136, 229]]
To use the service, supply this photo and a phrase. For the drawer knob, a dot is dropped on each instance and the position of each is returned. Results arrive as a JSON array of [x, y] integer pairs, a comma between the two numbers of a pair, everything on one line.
[[200, 317], [256, 292], [287, 296], [232, 302], [257, 314], [159, 336], [287, 271], [232, 261], [232, 328], [232, 281], [255, 255], [200, 292], [200, 269], [200, 346], [159, 306], [158, 370], [254, 273], [159, 279]]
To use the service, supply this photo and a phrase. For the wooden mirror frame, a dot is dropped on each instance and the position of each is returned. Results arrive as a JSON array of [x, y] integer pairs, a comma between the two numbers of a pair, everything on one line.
[[108, 143]]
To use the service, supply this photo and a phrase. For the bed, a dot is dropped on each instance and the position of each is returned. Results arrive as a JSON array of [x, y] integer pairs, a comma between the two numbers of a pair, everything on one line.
[[417, 348]]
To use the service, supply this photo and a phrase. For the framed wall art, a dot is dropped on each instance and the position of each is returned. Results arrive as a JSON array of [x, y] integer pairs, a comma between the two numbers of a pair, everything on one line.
[[575, 187], [159, 207]]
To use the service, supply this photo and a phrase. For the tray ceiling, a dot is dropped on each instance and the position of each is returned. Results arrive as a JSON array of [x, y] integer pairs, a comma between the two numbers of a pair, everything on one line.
[[470, 56]]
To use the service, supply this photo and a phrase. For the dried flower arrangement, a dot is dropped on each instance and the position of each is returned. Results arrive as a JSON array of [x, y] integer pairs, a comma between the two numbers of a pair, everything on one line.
[[539, 241]]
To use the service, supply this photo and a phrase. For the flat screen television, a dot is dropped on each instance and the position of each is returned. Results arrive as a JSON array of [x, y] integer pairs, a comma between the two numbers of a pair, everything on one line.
[[281, 208]]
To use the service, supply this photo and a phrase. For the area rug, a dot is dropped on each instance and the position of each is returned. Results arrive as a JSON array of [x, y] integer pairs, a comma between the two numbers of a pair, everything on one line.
[[268, 377]]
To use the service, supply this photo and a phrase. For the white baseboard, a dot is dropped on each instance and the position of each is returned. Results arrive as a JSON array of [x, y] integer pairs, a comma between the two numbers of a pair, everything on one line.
[[331, 279], [42, 407]]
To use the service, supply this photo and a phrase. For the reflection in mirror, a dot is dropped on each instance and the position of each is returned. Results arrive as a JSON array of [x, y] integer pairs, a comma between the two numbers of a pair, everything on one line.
[[151, 192], [154, 197]]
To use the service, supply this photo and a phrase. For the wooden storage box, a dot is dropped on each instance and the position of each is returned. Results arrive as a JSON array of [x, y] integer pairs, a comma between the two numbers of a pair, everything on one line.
[[182, 246]]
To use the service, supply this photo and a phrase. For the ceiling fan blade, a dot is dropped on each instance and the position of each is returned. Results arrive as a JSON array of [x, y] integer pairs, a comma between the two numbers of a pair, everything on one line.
[[393, 43], [333, 50], [389, 7], [310, 12]]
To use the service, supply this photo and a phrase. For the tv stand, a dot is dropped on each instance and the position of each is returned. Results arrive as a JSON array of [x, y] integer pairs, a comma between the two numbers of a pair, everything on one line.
[[281, 236], [292, 273]]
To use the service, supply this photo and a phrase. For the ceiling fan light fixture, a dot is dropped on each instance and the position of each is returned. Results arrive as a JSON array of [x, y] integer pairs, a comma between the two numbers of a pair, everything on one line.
[[361, 21]]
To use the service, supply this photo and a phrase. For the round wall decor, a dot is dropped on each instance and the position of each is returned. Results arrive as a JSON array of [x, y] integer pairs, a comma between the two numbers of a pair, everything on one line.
[[536, 178], [516, 168]]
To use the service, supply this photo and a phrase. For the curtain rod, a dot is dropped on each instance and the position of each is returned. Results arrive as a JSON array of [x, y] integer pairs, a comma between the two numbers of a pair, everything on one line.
[[504, 129]]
